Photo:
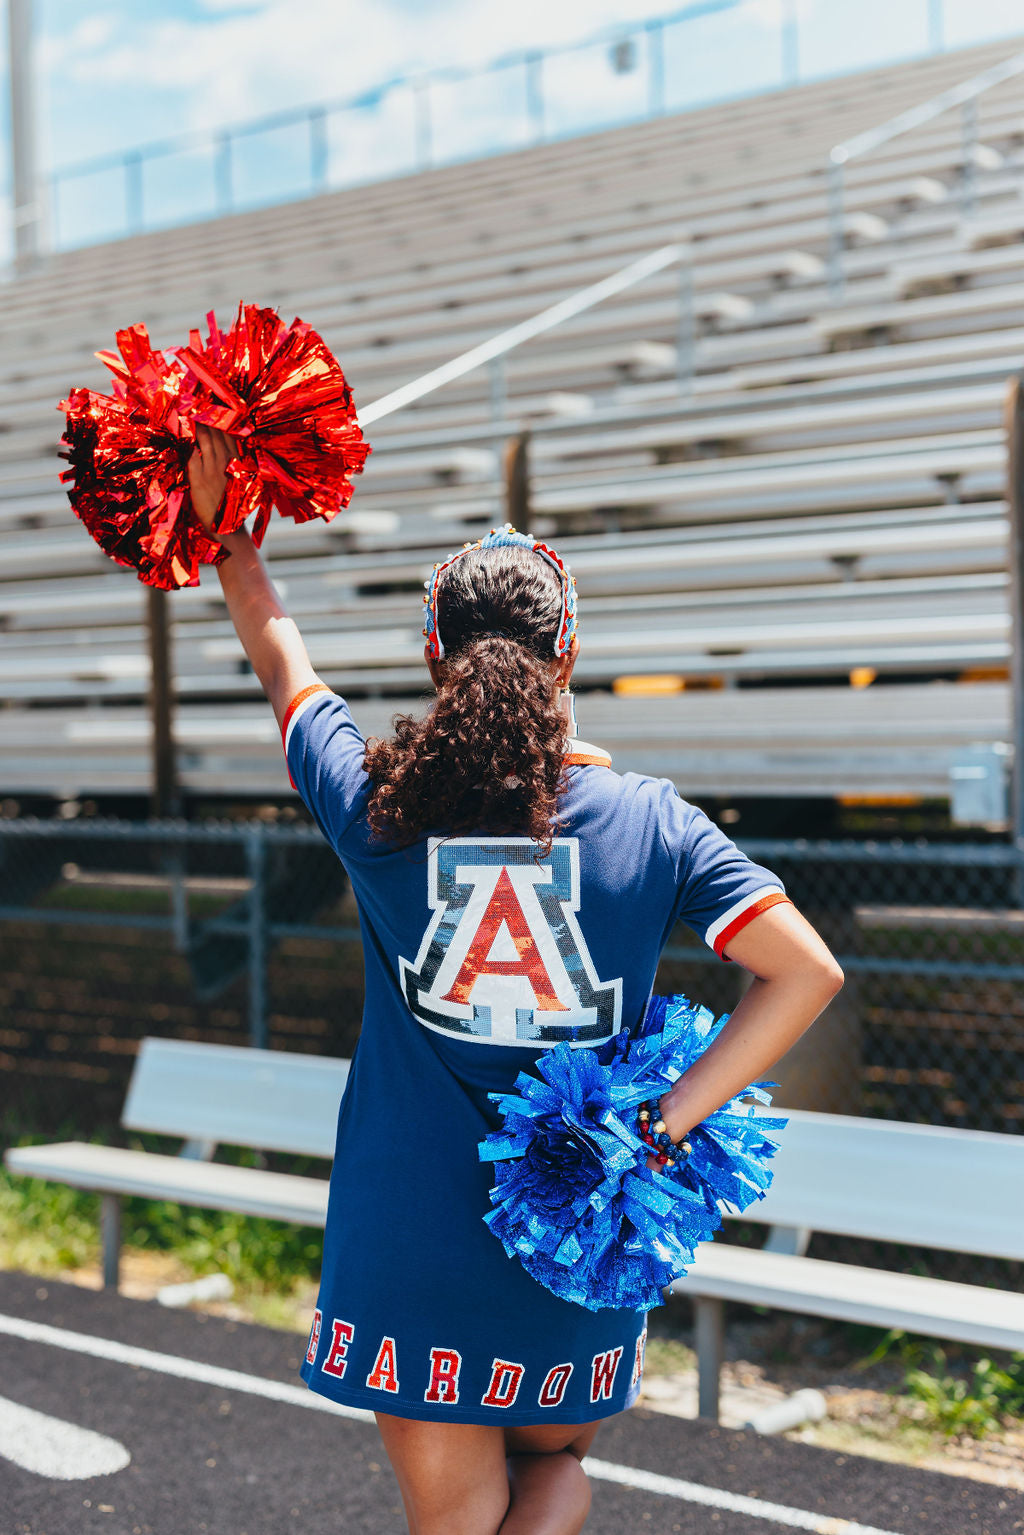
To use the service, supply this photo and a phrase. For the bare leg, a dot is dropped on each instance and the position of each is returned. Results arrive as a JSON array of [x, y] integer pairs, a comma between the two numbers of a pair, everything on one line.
[[550, 1495], [550, 1491], [453, 1477]]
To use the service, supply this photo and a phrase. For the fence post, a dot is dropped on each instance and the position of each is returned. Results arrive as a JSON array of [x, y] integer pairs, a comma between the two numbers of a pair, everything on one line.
[[424, 126], [318, 148], [255, 856], [790, 43], [133, 208], [936, 28], [655, 67], [834, 194], [535, 94], [1015, 500], [53, 205], [969, 138], [222, 172]]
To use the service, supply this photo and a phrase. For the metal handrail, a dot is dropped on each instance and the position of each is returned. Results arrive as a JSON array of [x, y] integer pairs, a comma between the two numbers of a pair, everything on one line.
[[964, 96], [221, 141], [495, 349]]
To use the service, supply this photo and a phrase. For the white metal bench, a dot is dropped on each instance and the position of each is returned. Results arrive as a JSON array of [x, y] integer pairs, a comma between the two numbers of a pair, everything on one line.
[[272, 1100], [957, 1190]]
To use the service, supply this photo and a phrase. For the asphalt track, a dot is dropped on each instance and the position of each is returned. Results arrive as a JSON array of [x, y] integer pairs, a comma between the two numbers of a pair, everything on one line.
[[147, 1421]]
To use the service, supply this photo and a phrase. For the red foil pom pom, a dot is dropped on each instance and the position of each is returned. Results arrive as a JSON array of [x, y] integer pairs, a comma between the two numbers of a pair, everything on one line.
[[127, 479], [277, 389], [281, 393]]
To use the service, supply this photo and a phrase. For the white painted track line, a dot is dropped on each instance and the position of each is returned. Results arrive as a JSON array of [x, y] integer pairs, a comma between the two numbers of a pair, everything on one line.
[[733, 1502], [173, 1364], [301, 1396], [50, 1446]]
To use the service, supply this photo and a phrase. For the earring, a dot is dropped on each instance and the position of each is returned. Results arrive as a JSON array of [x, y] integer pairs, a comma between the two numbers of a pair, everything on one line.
[[568, 706]]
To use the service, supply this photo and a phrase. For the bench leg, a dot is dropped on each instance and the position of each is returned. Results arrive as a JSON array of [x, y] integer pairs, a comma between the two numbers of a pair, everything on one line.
[[110, 1228], [709, 1331]]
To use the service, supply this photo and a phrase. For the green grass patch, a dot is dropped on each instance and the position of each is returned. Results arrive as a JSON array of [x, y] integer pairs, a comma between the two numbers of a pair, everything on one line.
[[45, 1227], [128, 900], [48, 1227], [976, 1405], [668, 1356], [972, 1396]]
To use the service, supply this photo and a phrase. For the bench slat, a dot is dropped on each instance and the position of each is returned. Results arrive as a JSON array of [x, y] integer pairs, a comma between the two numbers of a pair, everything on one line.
[[921, 1184], [211, 1185], [271, 1099], [936, 1307]]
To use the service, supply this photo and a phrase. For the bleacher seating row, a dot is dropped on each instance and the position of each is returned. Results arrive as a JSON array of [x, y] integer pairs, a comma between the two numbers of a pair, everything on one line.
[[822, 497]]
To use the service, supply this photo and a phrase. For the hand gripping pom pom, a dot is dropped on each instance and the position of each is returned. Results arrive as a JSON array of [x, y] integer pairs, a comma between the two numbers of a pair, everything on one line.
[[279, 390], [276, 388], [574, 1200], [128, 454]]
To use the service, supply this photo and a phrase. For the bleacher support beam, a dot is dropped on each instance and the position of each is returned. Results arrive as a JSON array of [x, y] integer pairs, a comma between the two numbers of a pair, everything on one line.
[[517, 481], [165, 798]]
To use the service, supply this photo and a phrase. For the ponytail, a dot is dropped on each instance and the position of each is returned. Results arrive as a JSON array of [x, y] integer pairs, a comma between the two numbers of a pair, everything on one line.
[[490, 755]]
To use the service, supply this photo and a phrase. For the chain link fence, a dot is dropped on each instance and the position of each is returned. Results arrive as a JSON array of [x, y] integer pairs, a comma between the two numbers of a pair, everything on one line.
[[238, 932]]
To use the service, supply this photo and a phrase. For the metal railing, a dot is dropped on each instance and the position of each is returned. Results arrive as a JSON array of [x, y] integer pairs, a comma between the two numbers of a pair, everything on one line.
[[965, 96], [494, 351], [243, 848], [536, 106], [637, 49], [210, 924]]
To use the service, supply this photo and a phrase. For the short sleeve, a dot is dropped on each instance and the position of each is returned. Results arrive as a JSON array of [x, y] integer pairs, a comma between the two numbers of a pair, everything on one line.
[[718, 888], [324, 750]]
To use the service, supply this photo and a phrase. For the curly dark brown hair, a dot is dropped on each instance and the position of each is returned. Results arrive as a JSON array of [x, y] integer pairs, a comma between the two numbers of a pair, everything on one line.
[[489, 756]]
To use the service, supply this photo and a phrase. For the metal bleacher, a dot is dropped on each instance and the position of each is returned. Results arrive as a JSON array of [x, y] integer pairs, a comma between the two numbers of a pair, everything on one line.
[[817, 495]]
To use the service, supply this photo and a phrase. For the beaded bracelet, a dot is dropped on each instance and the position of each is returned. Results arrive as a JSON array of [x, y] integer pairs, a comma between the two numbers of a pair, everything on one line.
[[654, 1132]]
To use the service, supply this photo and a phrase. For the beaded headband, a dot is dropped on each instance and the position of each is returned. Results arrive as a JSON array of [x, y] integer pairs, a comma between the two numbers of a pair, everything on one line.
[[495, 539]]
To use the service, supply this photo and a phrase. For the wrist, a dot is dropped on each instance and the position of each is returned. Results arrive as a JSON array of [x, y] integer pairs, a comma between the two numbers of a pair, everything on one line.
[[240, 536], [678, 1122], [236, 543], [666, 1150]]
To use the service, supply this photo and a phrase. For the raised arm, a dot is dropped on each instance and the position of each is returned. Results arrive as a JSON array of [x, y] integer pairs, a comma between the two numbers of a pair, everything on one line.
[[269, 637]]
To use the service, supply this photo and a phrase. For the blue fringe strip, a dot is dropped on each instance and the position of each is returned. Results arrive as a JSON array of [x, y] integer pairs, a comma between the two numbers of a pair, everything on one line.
[[574, 1200]]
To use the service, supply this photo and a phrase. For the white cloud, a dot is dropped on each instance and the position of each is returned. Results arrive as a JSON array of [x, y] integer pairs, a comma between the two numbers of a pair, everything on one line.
[[94, 31], [243, 60], [124, 74]]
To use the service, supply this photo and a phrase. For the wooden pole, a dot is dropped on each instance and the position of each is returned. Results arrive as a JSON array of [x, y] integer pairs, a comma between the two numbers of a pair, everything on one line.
[[517, 481], [164, 798], [1015, 502]]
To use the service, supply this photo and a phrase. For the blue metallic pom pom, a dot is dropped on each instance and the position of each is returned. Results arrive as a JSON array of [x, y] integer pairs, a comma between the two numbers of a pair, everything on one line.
[[574, 1199]]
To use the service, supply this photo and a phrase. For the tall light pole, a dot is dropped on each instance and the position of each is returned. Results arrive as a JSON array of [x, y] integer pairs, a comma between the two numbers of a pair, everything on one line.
[[25, 186]]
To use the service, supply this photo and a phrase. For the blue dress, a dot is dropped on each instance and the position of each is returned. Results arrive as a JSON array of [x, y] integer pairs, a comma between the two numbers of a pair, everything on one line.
[[479, 957]]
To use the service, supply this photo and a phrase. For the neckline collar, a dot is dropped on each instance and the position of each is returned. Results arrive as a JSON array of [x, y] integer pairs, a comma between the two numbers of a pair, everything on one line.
[[582, 754]]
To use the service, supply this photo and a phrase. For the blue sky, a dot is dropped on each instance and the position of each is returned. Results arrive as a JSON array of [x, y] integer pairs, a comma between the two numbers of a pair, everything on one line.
[[114, 74]]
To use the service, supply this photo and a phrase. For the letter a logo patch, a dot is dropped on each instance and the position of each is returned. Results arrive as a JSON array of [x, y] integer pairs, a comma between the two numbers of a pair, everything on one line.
[[503, 958]]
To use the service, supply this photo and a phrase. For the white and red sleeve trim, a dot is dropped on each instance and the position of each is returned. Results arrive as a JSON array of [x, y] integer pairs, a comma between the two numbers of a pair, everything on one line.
[[739, 914], [582, 754], [298, 706]]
